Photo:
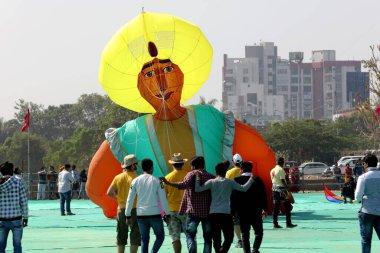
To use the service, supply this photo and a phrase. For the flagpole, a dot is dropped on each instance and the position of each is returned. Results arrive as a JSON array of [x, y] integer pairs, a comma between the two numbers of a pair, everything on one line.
[[29, 188]]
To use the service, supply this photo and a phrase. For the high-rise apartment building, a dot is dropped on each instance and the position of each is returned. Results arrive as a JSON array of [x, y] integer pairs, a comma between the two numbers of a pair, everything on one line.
[[263, 87]]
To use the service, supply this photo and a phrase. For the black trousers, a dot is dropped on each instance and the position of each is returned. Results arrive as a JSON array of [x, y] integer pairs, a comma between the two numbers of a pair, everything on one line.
[[278, 199], [221, 222], [255, 221]]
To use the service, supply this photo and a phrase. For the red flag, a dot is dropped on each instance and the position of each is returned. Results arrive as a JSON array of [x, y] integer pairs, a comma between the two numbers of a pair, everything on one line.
[[26, 123]]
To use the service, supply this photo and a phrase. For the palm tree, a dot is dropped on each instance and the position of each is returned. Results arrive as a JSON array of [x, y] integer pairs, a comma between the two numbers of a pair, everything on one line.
[[212, 102]]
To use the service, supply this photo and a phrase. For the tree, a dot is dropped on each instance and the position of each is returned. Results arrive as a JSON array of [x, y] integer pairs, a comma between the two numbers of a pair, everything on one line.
[[15, 150], [310, 139], [366, 109], [212, 102]]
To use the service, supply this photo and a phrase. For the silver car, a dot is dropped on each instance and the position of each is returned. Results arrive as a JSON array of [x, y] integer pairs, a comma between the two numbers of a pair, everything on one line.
[[313, 168]]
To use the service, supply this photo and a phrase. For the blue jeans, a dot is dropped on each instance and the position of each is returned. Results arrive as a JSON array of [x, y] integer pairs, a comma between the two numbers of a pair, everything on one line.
[[192, 223], [158, 228], [16, 227], [368, 222], [65, 197]]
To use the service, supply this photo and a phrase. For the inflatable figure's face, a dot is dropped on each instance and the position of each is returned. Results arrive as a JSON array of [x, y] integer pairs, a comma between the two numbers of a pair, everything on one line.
[[160, 82]]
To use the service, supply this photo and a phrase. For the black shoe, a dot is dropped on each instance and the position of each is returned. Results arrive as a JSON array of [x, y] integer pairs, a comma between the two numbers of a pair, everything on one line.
[[70, 213], [63, 214], [291, 225], [239, 244], [255, 251], [276, 226]]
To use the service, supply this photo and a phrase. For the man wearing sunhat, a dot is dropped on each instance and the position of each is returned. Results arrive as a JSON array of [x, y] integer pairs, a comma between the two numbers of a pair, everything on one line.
[[118, 191], [174, 197]]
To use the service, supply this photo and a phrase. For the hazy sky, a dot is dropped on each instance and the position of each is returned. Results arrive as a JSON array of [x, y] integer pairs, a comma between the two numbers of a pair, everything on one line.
[[50, 49]]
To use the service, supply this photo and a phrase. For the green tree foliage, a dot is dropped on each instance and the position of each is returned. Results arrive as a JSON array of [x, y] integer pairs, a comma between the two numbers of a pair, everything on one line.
[[71, 133], [203, 101], [15, 149], [311, 139]]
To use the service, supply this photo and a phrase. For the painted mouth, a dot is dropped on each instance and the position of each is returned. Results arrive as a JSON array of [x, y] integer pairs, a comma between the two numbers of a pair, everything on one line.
[[164, 96]]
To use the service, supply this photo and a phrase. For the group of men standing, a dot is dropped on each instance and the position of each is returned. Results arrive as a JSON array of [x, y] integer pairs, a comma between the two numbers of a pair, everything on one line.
[[185, 199]]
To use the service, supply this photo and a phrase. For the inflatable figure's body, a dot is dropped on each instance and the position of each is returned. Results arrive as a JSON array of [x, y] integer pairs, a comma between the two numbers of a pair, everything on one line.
[[216, 141]]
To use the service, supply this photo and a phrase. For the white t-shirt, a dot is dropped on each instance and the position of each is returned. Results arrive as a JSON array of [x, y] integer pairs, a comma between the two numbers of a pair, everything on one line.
[[64, 181], [277, 174], [149, 191]]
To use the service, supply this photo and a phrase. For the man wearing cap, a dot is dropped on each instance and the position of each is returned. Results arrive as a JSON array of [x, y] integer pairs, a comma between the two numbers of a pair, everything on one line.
[[195, 205], [279, 188], [118, 191], [232, 174], [174, 196]]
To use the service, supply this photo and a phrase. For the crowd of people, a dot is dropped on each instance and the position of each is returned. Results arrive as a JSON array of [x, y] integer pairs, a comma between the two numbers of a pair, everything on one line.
[[48, 182], [185, 199], [232, 200]]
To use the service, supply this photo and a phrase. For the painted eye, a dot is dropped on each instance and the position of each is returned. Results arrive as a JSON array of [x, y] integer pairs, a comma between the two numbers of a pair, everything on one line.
[[168, 69], [149, 74]]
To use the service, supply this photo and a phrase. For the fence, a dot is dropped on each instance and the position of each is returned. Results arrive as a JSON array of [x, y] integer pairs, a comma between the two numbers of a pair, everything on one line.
[[31, 185]]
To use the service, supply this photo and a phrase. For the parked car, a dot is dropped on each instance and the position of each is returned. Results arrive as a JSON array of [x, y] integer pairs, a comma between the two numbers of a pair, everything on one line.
[[313, 168], [328, 172], [344, 159]]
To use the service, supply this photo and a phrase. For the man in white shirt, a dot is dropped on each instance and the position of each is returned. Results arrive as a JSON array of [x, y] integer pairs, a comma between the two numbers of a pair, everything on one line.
[[368, 193], [65, 179], [151, 204]]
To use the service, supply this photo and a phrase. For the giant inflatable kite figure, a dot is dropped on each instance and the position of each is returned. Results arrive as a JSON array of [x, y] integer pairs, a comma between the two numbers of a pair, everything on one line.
[[153, 64]]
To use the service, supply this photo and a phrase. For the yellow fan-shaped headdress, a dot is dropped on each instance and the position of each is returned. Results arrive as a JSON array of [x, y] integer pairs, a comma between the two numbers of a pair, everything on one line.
[[176, 39]]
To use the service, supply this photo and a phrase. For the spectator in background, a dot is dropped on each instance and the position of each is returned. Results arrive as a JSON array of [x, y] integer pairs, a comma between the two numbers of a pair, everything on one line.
[[75, 189], [337, 173], [83, 180], [17, 173], [348, 190], [368, 193], [231, 174], [65, 179], [347, 173], [52, 177], [358, 169], [279, 190], [13, 208], [42, 178]]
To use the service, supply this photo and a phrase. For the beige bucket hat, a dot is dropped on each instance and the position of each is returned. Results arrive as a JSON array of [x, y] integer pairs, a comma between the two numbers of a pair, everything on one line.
[[177, 158]]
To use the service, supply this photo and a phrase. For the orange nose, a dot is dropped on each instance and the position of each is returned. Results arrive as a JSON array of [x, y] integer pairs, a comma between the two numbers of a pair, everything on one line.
[[161, 82]]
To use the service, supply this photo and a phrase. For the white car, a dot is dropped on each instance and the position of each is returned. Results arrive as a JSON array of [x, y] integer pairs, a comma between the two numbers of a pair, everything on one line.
[[344, 159], [313, 168]]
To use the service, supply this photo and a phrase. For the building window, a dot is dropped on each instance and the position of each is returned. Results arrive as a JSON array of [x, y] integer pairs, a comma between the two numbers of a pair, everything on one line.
[[245, 71], [245, 79], [230, 71], [252, 98], [294, 89], [306, 71], [282, 71], [307, 79], [294, 80], [307, 89]]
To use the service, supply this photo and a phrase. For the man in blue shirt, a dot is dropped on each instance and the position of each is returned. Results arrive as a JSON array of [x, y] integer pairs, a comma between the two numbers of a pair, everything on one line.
[[368, 193]]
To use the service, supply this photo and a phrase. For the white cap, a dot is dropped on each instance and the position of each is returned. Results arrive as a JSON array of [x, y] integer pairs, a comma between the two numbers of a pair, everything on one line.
[[237, 159]]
